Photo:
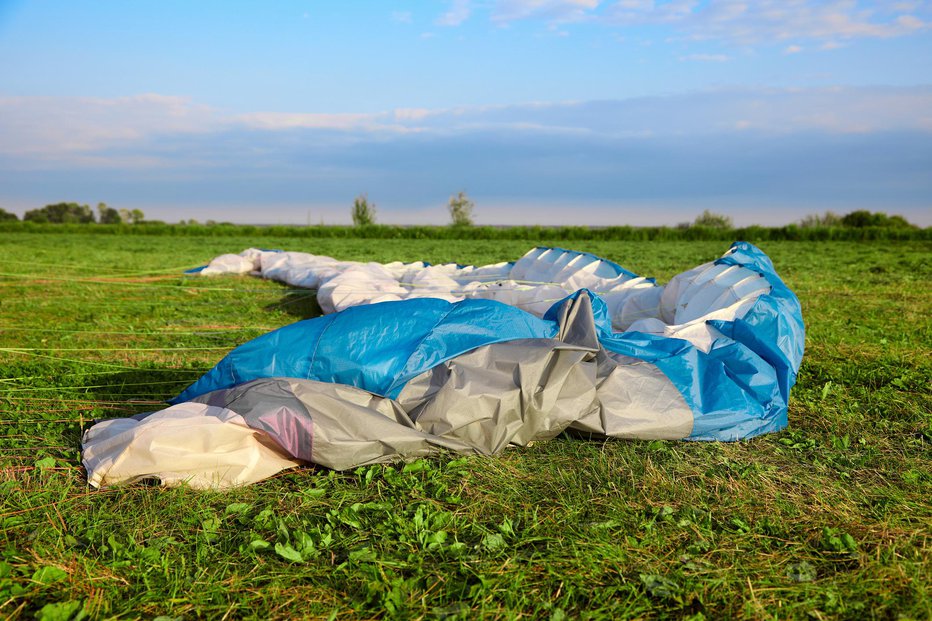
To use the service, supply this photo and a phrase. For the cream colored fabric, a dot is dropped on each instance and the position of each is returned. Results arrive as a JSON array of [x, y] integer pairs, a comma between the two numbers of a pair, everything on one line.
[[193, 443]]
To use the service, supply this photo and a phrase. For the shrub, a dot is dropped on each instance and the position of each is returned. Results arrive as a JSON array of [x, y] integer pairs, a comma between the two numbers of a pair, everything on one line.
[[829, 218], [863, 218]]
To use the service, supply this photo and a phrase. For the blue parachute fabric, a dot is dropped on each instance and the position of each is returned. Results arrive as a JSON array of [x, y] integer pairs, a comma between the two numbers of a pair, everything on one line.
[[376, 347], [739, 388]]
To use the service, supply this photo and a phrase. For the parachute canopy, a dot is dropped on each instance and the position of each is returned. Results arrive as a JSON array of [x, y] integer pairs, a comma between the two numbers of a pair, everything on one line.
[[413, 358]]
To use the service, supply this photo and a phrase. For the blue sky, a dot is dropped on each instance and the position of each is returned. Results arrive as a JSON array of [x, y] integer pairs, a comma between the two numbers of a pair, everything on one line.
[[544, 111]]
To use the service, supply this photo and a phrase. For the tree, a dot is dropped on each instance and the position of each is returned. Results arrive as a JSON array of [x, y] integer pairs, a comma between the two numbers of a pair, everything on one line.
[[133, 217], [363, 213], [108, 215], [6, 216], [461, 209], [61, 213], [860, 219], [713, 220]]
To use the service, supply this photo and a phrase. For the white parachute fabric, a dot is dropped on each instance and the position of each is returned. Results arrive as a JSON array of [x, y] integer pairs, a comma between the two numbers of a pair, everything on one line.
[[534, 283]]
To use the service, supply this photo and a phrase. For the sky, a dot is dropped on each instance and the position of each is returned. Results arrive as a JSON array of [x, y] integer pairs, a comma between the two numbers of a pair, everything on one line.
[[592, 112]]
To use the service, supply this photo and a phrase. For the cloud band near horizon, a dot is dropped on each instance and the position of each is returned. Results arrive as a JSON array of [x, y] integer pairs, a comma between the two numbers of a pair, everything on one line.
[[772, 151]]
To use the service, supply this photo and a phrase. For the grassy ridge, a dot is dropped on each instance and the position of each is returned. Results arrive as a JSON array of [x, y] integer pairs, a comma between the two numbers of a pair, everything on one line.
[[830, 519], [790, 232]]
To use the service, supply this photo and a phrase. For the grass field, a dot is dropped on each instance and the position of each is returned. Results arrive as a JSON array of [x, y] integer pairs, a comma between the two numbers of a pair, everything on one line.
[[829, 519]]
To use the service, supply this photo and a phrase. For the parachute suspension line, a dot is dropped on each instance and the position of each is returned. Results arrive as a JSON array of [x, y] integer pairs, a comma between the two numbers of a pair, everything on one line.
[[62, 400], [113, 269], [3, 394], [176, 287], [27, 349], [162, 332], [79, 361]]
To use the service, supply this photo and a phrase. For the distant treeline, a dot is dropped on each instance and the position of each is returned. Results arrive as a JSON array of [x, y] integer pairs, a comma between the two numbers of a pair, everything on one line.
[[791, 232]]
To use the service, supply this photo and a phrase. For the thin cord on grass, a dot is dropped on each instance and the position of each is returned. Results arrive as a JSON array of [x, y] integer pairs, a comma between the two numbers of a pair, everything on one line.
[[64, 388], [92, 362], [22, 436], [180, 286], [36, 421], [24, 378], [80, 405], [71, 400], [123, 303], [26, 349], [46, 447], [162, 332], [31, 468], [79, 410], [165, 270]]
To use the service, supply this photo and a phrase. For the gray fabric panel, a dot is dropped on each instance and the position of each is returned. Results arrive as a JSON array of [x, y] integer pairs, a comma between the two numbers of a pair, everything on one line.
[[353, 427], [345, 426], [636, 400], [272, 407], [504, 393], [577, 323], [513, 392]]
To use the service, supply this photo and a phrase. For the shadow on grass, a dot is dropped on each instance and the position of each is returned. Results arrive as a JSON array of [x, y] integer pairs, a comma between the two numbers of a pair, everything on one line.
[[125, 394], [298, 304]]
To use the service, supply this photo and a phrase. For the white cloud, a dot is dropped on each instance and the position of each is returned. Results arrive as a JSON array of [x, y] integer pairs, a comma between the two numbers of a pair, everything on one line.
[[911, 23], [792, 49], [458, 12], [412, 114], [706, 58], [552, 10], [142, 129], [736, 21], [58, 127], [402, 17], [767, 21], [282, 120]]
